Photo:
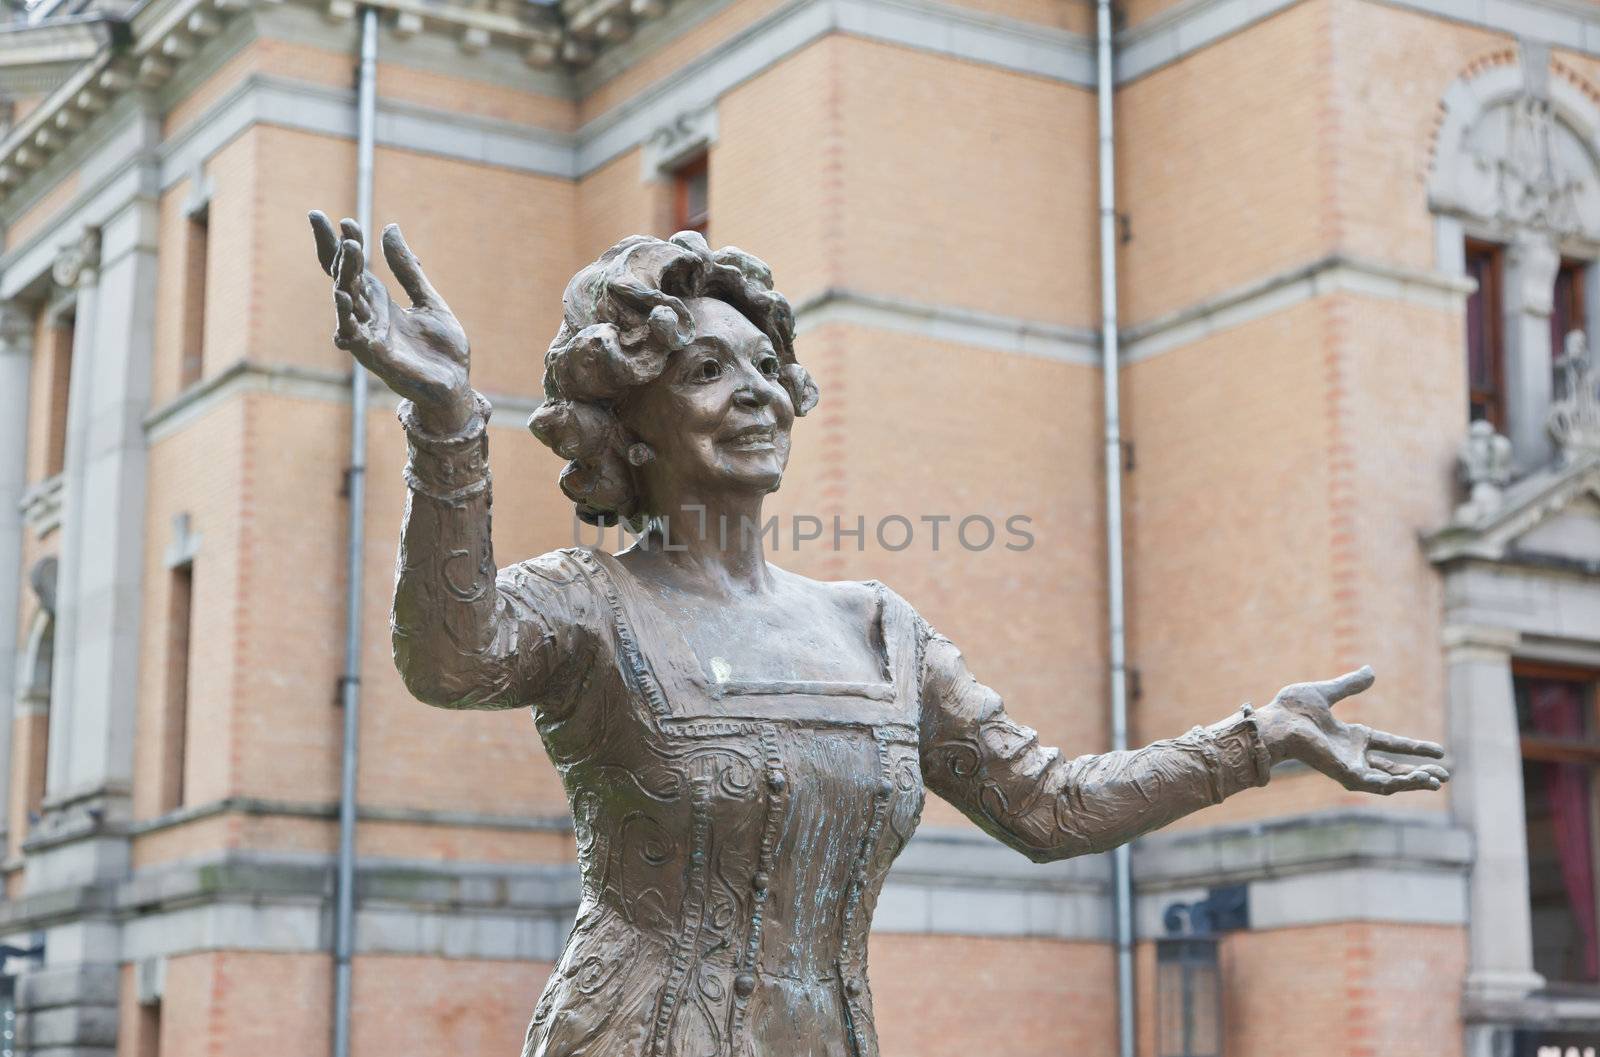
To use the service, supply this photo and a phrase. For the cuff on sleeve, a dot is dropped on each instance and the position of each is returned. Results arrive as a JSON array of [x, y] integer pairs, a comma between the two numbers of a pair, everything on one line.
[[1241, 752], [448, 468]]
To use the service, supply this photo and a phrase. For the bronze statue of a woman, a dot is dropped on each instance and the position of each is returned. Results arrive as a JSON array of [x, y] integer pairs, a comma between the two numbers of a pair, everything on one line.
[[744, 750]]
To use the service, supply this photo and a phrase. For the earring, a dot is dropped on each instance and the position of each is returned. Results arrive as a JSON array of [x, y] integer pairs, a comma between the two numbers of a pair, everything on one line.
[[639, 454]]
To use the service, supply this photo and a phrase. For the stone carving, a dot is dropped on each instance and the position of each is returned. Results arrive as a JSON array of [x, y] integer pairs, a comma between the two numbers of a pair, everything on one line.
[[77, 259], [744, 751], [1534, 189], [1574, 421], [1484, 467], [1515, 164]]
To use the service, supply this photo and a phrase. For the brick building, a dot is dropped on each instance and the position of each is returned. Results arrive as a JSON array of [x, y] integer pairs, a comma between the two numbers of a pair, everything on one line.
[[1350, 227]]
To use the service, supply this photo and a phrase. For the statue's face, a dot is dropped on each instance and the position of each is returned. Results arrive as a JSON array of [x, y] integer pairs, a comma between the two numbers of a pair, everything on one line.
[[717, 418]]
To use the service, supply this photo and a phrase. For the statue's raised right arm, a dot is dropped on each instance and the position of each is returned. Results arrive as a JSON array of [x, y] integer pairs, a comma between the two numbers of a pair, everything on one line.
[[463, 636]]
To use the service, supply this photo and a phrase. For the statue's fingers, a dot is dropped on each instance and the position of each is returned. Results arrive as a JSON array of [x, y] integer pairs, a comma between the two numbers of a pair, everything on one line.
[[1383, 741], [408, 270], [1347, 684], [1431, 770], [352, 231], [350, 266], [1384, 784], [327, 240], [344, 309]]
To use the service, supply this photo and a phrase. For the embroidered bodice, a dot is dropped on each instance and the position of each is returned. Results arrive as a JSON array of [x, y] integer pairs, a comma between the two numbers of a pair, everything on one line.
[[733, 835]]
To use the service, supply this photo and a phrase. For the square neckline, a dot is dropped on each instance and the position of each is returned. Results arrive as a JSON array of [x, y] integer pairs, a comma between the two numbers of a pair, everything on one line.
[[885, 690]]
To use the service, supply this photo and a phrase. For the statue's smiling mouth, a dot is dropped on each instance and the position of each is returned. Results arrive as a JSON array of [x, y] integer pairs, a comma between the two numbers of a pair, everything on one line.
[[751, 438]]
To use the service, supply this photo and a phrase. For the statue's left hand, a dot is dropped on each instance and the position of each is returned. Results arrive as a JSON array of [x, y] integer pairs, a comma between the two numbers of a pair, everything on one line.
[[1299, 724]]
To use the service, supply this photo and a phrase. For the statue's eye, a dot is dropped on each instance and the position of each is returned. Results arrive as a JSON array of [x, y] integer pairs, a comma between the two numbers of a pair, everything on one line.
[[707, 370], [768, 365]]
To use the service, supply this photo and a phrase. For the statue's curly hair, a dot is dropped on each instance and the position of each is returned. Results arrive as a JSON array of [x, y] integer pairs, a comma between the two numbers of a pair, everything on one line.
[[622, 318]]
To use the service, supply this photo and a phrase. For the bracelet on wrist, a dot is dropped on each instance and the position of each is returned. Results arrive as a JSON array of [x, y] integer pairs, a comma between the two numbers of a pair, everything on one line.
[[453, 467]]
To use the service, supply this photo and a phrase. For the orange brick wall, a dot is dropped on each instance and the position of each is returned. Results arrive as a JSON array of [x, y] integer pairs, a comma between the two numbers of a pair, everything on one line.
[[1392, 69], [896, 172], [1350, 990], [235, 307], [199, 471], [1137, 11], [614, 202], [47, 398], [776, 169], [172, 292], [1230, 590], [1221, 189], [234, 1004], [1249, 570], [1019, 997]]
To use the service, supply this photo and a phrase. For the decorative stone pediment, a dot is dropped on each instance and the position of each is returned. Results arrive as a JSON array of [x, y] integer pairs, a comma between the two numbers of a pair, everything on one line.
[[1516, 151], [1550, 518]]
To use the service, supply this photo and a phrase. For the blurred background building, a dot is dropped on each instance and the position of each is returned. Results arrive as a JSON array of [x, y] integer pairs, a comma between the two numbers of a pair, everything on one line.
[[1348, 228]]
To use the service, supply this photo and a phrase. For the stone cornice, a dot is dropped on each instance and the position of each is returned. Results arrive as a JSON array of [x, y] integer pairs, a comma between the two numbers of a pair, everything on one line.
[[1301, 844], [947, 323], [306, 383], [256, 807], [34, 59], [1333, 274]]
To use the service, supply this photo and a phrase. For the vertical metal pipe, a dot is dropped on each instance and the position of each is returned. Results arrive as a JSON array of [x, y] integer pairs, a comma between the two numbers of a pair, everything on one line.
[[1110, 357], [356, 486]]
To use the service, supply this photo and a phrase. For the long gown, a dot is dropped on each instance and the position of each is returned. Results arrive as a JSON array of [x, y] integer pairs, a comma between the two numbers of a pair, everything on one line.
[[733, 835]]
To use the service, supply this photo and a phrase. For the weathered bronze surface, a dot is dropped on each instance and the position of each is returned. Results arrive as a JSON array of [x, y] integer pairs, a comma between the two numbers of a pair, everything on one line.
[[745, 751]]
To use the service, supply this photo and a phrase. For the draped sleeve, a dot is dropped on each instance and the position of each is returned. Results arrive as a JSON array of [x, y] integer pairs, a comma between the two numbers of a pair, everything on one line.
[[466, 633], [1049, 806]]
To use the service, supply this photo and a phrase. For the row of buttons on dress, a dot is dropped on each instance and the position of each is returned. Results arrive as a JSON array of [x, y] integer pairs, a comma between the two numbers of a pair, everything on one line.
[[744, 985]]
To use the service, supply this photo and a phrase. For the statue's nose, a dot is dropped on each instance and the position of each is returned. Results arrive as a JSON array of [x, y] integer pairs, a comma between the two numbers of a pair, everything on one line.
[[752, 395]]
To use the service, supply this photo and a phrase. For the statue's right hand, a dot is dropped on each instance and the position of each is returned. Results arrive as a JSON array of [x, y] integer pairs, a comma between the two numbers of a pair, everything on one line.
[[420, 352]]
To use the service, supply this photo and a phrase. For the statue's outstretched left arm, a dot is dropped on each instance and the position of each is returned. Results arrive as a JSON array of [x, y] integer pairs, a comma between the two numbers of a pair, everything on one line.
[[1047, 806]]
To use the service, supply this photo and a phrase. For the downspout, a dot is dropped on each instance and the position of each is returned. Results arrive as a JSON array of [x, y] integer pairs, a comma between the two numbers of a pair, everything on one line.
[[356, 488], [1121, 864]]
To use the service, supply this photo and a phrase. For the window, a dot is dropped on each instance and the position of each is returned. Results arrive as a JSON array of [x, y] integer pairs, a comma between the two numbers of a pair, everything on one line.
[[1556, 714], [691, 196], [1485, 336], [62, 331], [196, 250], [180, 606]]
